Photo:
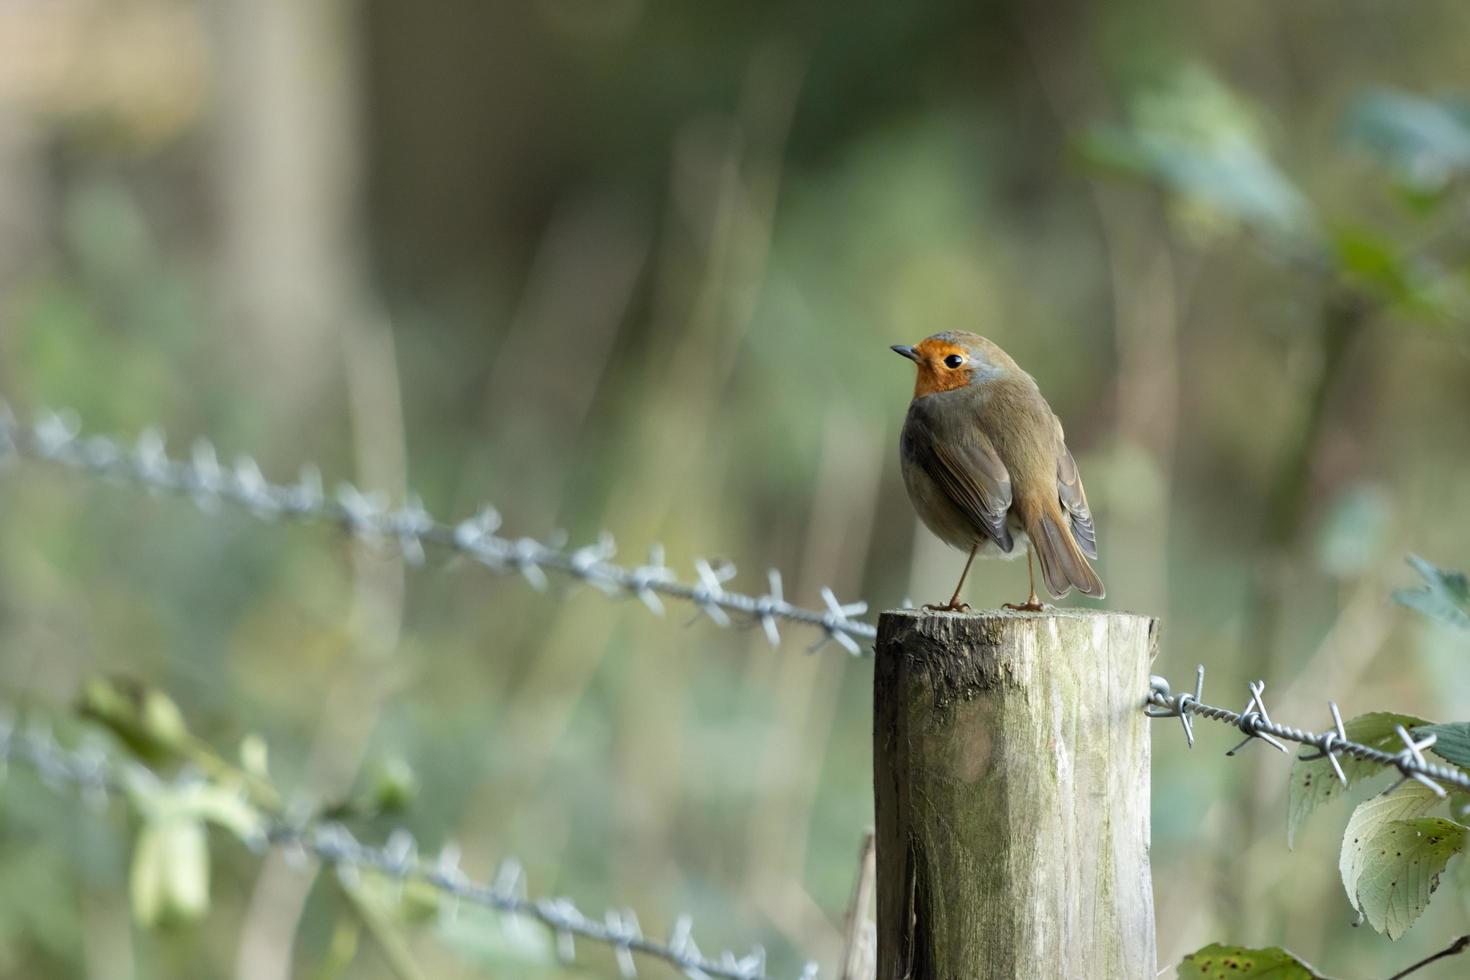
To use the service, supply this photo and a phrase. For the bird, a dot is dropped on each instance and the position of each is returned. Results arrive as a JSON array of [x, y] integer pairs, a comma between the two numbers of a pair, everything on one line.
[[986, 465]]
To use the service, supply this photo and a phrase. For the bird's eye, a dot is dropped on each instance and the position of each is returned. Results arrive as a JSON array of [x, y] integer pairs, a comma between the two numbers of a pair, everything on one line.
[[953, 361]]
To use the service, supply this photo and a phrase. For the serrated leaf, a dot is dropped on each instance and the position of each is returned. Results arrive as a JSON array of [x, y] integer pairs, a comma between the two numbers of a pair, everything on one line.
[[1401, 868], [1314, 783], [1444, 598], [1451, 741], [1369, 818], [169, 881], [1240, 963]]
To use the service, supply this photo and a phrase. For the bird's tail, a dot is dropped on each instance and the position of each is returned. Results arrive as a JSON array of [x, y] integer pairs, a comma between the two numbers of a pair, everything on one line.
[[1063, 564]]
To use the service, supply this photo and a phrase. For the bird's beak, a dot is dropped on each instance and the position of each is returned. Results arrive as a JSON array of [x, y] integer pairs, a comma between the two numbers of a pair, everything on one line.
[[906, 351]]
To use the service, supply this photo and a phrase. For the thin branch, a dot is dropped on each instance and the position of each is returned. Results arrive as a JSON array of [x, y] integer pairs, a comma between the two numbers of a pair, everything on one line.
[[1453, 949]]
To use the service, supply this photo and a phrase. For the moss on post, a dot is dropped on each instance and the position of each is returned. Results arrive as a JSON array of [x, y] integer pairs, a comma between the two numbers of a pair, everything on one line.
[[1011, 765]]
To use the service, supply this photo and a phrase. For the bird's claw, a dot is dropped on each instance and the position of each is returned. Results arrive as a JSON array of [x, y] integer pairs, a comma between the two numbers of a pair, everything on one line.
[[959, 607], [1030, 605]]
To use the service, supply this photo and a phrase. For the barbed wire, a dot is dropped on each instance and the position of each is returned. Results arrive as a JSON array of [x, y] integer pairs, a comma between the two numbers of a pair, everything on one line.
[[57, 438], [1256, 723], [98, 776]]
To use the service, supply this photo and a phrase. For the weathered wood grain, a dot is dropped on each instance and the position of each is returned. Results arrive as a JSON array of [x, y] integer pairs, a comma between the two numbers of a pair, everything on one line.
[[1011, 764]]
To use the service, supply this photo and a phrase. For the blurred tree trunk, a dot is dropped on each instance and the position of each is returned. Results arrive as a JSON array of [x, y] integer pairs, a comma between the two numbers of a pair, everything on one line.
[[21, 194], [286, 179], [286, 183]]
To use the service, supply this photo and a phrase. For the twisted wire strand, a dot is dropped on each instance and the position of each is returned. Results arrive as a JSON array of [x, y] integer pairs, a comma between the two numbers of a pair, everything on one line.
[[99, 777], [57, 438], [1255, 722]]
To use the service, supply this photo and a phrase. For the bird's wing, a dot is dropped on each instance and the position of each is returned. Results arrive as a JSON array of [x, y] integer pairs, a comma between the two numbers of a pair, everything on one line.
[[1074, 498], [968, 470]]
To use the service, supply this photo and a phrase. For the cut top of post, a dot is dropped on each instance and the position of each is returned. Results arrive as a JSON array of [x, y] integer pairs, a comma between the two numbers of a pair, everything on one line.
[[1014, 638], [1050, 612]]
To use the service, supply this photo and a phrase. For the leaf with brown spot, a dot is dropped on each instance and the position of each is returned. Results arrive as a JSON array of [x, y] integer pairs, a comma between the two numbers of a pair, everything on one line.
[[1400, 869], [1217, 962], [1369, 817]]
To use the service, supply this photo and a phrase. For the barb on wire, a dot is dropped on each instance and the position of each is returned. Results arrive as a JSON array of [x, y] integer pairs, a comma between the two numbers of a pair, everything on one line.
[[57, 438], [99, 777], [1256, 723], [1338, 734]]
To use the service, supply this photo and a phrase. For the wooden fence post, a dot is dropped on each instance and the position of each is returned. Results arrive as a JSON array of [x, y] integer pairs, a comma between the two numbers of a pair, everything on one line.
[[1011, 777]]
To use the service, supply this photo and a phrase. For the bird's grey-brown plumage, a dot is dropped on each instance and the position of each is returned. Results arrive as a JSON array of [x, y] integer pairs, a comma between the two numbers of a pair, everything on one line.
[[986, 463]]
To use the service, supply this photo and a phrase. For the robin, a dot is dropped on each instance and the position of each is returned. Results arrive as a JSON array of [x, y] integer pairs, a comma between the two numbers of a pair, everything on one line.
[[987, 467]]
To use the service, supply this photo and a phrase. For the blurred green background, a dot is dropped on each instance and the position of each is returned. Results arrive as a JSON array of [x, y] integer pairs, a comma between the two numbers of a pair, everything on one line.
[[635, 266]]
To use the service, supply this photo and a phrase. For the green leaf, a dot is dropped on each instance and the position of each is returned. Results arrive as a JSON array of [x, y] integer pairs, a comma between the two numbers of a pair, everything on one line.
[[1401, 868], [255, 756], [1373, 261], [1444, 598], [1354, 530], [169, 881], [1240, 963], [1418, 286], [1369, 818], [1425, 142], [375, 907], [1198, 140], [411, 902], [143, 718], [394, 786], [496, 942], [1314, 783], [223, 806], [1451, 742]]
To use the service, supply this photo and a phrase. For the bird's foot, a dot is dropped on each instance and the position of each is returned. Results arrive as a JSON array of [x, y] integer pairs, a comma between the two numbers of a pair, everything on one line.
[[951, 606], [1032, 604]]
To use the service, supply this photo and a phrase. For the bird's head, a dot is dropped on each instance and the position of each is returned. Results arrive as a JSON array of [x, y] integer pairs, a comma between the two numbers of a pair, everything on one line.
[[953, 360]]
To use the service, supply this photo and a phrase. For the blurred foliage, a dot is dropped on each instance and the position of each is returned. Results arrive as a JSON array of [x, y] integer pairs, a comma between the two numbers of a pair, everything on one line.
[[497, 944], [1199, 140], [1355, 530], [637, 268], [1444, 598], [1424, 142]]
